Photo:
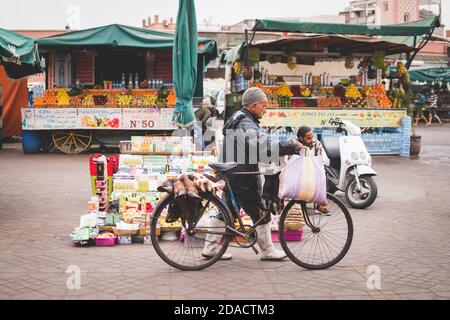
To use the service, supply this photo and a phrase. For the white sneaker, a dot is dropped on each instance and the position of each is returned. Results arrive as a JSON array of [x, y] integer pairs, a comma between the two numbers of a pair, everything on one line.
[[212, 241], [268, 250]]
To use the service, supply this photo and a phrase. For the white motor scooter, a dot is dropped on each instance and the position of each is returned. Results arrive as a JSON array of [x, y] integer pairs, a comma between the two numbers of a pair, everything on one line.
[[349, 166]]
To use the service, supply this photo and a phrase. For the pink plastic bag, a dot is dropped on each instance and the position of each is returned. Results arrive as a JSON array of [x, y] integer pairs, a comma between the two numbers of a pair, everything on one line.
[[303, 178]]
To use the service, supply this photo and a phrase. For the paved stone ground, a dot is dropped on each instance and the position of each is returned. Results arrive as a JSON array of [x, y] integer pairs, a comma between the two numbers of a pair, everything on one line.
[[405, 234]]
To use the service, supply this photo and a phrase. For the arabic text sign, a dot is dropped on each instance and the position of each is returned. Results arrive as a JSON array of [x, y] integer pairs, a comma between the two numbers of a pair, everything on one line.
[[55, 118], [323, 118], [97, 118]]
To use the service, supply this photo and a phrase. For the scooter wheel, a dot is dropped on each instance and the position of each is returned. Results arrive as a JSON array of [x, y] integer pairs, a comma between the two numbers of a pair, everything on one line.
[[367, 196]]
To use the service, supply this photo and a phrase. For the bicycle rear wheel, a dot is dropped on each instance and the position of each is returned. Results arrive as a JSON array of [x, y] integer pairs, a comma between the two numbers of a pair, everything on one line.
[[183, 251], [312, 240]]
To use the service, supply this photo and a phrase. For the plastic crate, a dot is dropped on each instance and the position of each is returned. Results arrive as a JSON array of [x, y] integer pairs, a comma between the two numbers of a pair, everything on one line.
[[100, 242]]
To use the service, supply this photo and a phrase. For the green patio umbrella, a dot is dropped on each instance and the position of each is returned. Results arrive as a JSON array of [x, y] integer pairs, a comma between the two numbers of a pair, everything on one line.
[[185, 59], [18, 54]]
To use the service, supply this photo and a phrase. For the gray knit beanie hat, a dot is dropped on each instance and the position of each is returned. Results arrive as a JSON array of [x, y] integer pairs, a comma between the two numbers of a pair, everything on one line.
[[253, 95]]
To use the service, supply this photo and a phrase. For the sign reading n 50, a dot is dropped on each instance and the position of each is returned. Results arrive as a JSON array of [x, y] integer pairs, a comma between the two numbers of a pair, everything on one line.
[[141, 118]]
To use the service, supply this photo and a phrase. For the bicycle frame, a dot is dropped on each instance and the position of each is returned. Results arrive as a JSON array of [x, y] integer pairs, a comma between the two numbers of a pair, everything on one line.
[[234, 210]]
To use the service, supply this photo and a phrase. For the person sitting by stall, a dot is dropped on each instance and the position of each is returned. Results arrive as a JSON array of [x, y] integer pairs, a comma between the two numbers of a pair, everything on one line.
[[204, 113], [432, 108], [312, 148]]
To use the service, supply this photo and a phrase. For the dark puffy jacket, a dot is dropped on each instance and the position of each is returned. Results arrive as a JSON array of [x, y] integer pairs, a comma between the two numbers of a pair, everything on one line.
[[250, 144]]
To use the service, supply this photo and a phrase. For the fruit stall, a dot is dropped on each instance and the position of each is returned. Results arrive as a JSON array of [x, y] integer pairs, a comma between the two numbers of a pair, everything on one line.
[[105, 85], [319, 73]]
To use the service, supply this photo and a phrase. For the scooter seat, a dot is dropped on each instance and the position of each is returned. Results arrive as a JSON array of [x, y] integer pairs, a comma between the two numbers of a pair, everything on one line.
[[331, 146]]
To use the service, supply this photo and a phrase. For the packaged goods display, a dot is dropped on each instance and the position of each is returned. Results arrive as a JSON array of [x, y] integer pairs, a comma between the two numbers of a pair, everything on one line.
[[122, 216]]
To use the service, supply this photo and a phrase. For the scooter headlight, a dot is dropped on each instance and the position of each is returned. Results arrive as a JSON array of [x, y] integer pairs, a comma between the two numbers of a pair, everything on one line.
[[363, 155], [355, 156]]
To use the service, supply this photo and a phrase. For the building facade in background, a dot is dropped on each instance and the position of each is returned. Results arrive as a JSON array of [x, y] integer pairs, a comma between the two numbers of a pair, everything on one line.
[[381, 12]]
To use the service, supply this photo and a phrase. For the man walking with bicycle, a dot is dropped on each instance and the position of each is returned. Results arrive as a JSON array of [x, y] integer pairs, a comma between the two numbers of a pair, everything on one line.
[[247, 145]]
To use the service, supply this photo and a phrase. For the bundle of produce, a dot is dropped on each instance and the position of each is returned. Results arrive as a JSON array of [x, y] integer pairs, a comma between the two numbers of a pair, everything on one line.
[[323, 102], [284, 101], [384, 102], [399, 97], [378, 90], [111, 99], [284, 91], [88, 101], [76, 100], [124, 100], [273, 102], [298, 102], [187, 189], [150, 99], [100, 100], [335, 102], [62, 98], [38, 102], [50, 97], [237, 67], [355, 103], [305, 92], [352, 92], [171, 98], [401, 69]]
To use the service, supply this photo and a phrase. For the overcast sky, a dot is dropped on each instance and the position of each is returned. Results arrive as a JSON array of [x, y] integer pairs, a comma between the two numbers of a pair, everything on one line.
[[46, 14]]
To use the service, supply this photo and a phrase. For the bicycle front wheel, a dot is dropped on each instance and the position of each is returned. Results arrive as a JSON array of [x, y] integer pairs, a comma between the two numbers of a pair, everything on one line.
[[313, 240], [206, 243]]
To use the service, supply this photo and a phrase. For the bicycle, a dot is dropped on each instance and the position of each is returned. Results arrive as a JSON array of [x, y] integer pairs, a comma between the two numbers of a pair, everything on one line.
[[319, 235]]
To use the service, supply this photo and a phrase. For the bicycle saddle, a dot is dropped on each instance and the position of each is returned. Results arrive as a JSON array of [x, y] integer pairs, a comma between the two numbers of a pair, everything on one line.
[[223, 167]]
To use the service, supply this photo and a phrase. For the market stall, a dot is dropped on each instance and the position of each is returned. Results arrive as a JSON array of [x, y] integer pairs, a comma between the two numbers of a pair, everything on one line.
[[302, 93], [19, 57], [106, 84], [125, 189]]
